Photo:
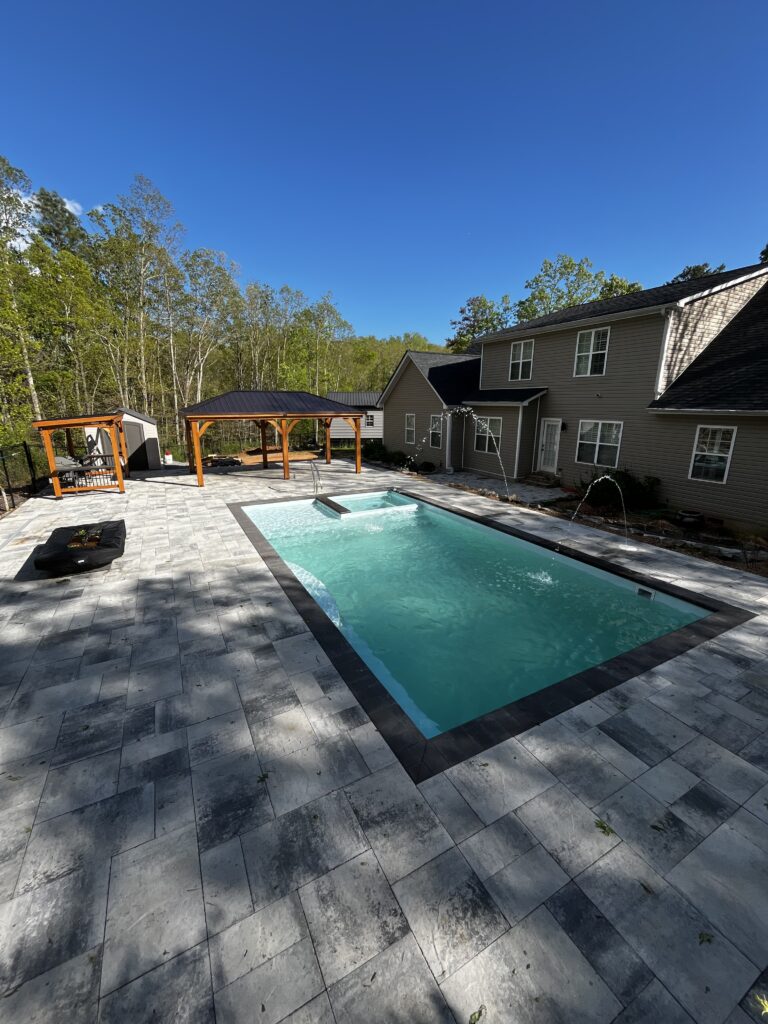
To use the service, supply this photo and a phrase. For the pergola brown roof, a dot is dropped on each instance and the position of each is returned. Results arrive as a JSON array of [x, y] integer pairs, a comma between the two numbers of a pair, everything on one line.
[[280, 409]]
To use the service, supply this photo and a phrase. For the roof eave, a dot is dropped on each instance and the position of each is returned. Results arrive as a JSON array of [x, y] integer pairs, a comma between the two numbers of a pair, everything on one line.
[[708, 410], [532, 331]]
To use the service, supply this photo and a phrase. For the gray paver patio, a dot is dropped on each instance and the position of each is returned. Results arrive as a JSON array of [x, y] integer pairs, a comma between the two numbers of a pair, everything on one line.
[[198, 822]]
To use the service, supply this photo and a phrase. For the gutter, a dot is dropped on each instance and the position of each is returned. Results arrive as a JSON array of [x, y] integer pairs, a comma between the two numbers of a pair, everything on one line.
[[708, 412]]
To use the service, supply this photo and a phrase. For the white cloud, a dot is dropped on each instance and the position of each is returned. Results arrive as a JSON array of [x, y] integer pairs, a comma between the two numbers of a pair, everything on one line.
[[73, 207]]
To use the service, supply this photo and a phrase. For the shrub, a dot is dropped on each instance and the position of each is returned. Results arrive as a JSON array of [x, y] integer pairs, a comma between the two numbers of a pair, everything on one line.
[[640, 493], [426, 467], [373, 448], [397, 459]]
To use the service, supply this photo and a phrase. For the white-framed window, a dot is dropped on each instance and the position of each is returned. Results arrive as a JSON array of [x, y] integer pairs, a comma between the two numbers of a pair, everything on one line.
[[521, 360], [488, 434], [436, 431], [591, 352], [410, 428], [369, 419], [712, 451], [599, 443]]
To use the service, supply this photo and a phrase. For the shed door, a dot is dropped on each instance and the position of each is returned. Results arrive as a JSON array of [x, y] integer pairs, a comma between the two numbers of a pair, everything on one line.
[[549, 445]]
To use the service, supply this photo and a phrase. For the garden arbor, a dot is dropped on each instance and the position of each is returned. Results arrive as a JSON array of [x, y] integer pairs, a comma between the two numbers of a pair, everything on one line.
[[279, 409], [95, 472]]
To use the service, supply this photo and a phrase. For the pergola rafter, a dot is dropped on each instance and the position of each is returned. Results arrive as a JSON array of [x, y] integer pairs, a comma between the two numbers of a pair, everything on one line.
[[279, 409]]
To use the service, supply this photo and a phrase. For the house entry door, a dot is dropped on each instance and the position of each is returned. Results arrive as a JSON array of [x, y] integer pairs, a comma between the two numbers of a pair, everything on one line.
[[549, 445]]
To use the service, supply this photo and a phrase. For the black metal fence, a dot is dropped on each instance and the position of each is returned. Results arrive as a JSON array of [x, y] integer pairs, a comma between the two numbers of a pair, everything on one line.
[[23, 471]]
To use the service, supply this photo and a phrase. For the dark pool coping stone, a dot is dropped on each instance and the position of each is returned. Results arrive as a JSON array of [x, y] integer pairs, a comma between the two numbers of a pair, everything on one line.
[[422, 758]]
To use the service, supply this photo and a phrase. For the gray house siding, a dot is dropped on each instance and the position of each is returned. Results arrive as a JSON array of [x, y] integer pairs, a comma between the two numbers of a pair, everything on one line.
[[341, 429], [413, 394], [488, 462]]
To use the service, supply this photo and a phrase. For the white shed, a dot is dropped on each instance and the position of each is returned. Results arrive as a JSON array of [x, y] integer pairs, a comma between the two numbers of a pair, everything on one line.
[[372, 423], [140, 438]]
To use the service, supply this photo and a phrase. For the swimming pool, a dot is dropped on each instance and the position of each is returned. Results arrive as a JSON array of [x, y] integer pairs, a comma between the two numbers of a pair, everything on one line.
[[456, 619]]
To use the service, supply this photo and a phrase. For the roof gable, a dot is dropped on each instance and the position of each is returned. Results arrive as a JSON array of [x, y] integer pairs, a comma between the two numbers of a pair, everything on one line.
[[732, 371], [448, 375]]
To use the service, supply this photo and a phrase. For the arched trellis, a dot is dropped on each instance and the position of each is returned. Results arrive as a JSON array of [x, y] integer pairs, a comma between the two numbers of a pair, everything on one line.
[[279, 409]]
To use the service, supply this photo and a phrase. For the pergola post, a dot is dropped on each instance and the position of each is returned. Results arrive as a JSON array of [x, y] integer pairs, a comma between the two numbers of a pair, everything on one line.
[[48, 445], [284, 438], [188, 445], [328, 423], [198, 455], [264, 455], [116, 457], [123, 447], [358, 452]]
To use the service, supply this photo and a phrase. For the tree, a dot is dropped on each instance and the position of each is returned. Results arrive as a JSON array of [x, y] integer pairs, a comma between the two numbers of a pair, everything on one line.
[[564, 282], [694, 270], [15, 231], [56, 224], [615, 285], [764, 254], [479, 316]]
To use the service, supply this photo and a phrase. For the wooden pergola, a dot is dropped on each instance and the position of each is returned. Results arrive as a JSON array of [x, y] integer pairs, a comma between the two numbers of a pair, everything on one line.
[[279, 409], [94, 474]]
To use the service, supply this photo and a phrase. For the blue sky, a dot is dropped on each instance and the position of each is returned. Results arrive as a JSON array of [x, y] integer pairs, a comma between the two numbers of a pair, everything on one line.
[[405, 156]]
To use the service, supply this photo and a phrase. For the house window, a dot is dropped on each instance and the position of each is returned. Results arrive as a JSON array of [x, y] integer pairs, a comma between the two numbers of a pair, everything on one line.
[[712, 452], [410, 428], [436, 432], [521, 360], [599, 443], [488, 434], [369, 420], [591, 352]]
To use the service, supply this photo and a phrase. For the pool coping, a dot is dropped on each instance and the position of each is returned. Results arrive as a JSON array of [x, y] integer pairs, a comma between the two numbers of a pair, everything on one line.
[[423, 758]]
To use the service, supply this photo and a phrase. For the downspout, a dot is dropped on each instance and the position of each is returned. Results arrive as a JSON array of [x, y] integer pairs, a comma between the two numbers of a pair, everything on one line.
[[535, 459], [448, 439], [517, 443]]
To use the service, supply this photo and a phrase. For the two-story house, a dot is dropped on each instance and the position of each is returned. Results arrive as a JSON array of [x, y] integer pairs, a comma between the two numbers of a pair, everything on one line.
[[670, 382]]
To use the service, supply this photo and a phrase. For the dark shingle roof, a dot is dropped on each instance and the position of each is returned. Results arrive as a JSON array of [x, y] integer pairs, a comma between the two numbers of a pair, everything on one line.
[[732, 371], [452, 376], [509, 396], [663, 295], [362, 399], [252, 403]]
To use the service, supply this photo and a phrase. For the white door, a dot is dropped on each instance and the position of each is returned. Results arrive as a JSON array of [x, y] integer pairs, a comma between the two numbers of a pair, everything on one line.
[[549, 445]]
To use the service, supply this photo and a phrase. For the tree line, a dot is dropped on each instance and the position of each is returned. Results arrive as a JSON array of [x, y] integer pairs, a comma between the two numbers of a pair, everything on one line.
[[120, 313], [113, 310]]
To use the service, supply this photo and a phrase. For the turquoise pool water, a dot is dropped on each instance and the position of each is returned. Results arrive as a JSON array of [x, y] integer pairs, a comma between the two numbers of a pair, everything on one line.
[[454, 618]]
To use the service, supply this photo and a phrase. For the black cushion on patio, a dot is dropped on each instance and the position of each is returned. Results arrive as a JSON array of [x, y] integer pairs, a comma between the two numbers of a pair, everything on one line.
[[57, 558]]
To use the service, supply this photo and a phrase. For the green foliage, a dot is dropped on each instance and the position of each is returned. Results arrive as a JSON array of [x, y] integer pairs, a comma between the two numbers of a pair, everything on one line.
[[56, 224], [426, 466], [640, 493], [123, 314], [764, 254], [565, 282], [479, 316], [694, 270], [396, 459], [374, 449]]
